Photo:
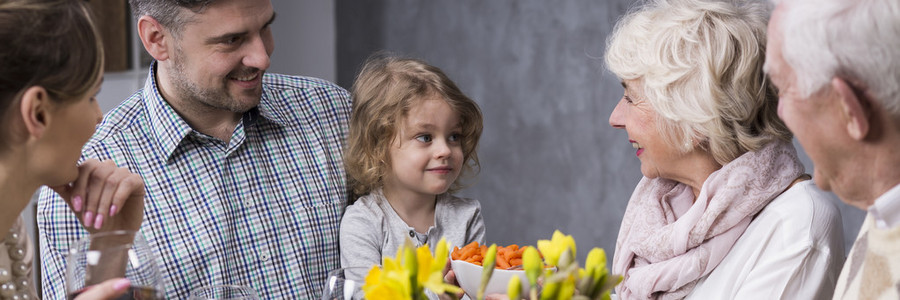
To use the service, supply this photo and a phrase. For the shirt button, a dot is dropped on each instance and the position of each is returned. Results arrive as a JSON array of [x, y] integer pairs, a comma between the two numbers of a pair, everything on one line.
[[264, 256], [412, 233]]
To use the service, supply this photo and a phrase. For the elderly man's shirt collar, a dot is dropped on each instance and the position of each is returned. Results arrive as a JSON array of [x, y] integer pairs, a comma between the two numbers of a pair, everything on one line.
[[886, 209]]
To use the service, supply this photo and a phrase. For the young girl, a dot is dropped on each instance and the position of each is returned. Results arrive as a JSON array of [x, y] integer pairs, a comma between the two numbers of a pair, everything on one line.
[[412, 134]]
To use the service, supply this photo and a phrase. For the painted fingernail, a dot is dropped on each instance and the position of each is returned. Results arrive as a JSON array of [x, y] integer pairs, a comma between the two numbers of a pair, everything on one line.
[[99, 222], [122, 284], [112, 210], [76, 203], [88, 219]]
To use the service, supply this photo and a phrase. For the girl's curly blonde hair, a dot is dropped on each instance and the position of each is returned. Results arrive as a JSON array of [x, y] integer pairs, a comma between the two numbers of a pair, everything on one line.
[[384, 91]]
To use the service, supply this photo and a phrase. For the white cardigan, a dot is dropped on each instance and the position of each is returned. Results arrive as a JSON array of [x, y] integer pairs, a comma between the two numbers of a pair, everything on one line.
[[792, 250]]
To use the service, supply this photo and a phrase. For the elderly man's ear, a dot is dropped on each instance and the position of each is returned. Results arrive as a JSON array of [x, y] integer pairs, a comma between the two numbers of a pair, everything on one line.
[[856, 107]]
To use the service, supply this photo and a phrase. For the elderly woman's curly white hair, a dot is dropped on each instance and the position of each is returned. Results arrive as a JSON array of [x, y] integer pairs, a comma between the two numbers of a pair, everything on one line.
[[700, 63]]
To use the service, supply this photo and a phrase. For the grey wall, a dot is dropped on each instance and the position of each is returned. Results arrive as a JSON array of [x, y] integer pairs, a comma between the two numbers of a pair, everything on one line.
[[304, 32], [549, 158]]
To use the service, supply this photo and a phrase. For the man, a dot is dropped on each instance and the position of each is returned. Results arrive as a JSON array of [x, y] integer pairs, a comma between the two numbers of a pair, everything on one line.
[[837, 66], [244, 174]]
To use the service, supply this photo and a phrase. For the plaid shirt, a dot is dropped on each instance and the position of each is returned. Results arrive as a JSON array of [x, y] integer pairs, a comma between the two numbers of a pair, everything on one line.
[[262, 210]]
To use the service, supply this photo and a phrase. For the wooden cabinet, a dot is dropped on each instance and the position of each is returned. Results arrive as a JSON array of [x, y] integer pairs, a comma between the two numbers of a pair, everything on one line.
[[112, 17]]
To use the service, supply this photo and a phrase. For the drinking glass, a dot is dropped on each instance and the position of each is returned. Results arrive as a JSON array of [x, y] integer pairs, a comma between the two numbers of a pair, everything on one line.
[[224, 292], [345, 284], [106, 255]]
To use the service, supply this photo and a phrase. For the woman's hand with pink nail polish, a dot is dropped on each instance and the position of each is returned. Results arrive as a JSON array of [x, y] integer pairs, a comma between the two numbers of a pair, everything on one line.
[[76, 203], [105, 197]]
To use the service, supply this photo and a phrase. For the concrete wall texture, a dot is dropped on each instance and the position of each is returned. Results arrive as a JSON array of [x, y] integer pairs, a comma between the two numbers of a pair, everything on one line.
[[549, 158]]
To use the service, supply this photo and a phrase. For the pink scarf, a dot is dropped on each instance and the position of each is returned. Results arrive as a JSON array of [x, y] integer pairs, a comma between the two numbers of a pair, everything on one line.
[[666, 243]]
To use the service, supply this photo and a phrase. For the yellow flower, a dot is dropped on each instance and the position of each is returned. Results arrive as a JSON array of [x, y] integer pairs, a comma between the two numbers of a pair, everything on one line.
[[409, 274], [567, 290], [431, 269], [441, 252], [556, 246], [560, 284], [513, 288], [488, 263], [595, 281], [550, 290], [390, 283], [595, 265], [533, 265]]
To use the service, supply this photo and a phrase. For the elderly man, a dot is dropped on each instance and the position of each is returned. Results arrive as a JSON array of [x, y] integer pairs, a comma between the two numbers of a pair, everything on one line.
[[243, 169], [836, 64]]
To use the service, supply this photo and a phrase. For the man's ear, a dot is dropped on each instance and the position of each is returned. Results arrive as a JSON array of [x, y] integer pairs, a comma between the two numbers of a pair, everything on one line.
[[34, 109], [153, 36], [855, 107]]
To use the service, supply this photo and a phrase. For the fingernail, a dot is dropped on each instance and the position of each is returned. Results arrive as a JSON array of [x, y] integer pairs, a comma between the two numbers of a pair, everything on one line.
[[112, 210], [122, 284], [76, 203], [88, 219], [99, 222]]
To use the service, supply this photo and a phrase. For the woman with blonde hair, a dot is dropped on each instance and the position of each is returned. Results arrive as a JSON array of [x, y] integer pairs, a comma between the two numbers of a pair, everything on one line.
[[724, 210], [51, 67]]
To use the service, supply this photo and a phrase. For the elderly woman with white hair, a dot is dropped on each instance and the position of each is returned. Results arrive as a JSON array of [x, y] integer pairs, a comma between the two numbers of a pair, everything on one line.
[[725, 210]]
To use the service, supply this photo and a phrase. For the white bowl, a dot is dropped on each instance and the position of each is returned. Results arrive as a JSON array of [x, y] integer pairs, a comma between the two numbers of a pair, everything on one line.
[[469, 277]]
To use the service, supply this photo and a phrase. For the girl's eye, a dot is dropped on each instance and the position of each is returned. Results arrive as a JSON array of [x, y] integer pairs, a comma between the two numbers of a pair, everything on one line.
[[425, 138], [455, 137]]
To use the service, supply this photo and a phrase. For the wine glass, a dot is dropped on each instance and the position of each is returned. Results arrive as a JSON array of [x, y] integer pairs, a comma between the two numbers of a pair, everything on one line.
[[114, 254], [345, 284], [224, 292]]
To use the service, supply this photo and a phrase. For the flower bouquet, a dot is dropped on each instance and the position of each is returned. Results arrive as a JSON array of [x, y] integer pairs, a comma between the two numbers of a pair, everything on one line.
[[407, 276], [415, 270], [568, 280]]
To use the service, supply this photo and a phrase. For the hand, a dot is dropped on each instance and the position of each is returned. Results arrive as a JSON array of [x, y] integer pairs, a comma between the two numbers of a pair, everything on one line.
[[450, 277], [107, 290], [105, 197]]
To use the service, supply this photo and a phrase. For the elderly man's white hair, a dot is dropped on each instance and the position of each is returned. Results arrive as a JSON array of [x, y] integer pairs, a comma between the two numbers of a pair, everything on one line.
[[857, 40]]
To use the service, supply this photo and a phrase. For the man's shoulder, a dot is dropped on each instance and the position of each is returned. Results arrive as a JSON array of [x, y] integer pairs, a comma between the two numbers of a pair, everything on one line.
[[293, 98], [278, 82]]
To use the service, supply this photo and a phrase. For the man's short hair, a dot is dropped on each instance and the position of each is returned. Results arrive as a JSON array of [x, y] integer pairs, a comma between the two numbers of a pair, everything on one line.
[[168, 12]]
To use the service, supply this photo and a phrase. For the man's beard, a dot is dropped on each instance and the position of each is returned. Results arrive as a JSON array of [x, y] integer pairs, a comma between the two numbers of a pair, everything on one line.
[[211, 97]]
